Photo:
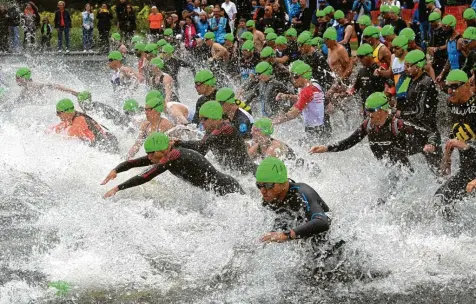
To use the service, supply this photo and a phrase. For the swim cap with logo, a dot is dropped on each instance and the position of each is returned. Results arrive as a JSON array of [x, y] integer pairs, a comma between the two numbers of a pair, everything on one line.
[[156, 103], [470, 33], [265, 125], [416, 57], [264, 68], [377, 100], [116, 36], [320, 13], [371, 31], [401, 42], [292, 32], [365, 20], [115, 55], [140, 47], [168, 32], [84, 96], [387, 30], [271, 37], [330, 34], [156, 141], [158, 62], [365, 50], [328, 10], [230, 37], [168, 49], [209, 35], [272, 170], [269, 30], [304, 38], [24, 73], [250, 23], [469, 14], [281, 40], [267, 52], [248, 46], [247, 36], [457, 75], [435, 16], [130, 105], [338, 15], [449, 20], [304, 70], [212, 110], [225, 95], [409, 33], [65, 105], [205, 77]]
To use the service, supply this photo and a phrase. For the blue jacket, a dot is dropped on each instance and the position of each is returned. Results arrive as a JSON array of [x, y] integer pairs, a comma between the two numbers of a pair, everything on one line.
[[221, 31], [202, 28], [473, 4], [367, 7], [67, 19]]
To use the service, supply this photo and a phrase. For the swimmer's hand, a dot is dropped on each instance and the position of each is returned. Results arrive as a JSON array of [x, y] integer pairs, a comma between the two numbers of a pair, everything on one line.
[[319, 149], [471, 185], [111, 192], [111, 175], [274, 237]]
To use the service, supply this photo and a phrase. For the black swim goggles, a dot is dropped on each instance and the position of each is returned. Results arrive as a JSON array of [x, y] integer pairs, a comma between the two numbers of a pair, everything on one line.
[[231, 96], [64, 111], [267, 186], [423, 59], [453, 86], [373, 110], [362, 56], [198, 83]]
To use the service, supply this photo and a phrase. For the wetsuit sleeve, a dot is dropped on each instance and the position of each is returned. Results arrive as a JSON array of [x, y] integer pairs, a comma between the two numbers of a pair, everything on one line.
[[201, 146], [143, 178], [133, 163], [350, 141], [419, 134], [315, 208], [426, 98]]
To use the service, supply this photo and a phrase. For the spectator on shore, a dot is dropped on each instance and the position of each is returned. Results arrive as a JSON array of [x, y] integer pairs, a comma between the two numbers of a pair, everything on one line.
[[128, 24], [13, 21], [189, 32], [62, 25], [121, 13], [218, 26], [295, 9], [197, 10], [230, 10], [156, 23], [3, 28], [104, 17], [202, 26], [30, 19], [303, 21], [88, 28], [46, 32]]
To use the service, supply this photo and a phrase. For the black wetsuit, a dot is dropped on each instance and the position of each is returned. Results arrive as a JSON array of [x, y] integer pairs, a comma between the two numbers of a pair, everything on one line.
[[292, 51], [463, 118], [243, 122], [185, 164], [320, 69], [470, 63], [264, 94], [302, 210], [394, 141], [173, 65], [398, 25], [107, 112], [367, 83], [247, 67], [227, 145], [160, 87], [199, 104], [439, 38]]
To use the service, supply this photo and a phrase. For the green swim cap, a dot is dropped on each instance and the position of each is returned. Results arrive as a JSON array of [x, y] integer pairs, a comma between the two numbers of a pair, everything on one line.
[[281, 40], [304, 38], [209, 35], [365, 50], [409, 33], [395, 9], [153, 94], [136, 39], [328, 10], [115, 55], [320, 13], [469, 14], [65, 105], [271, 37], [416, 57], [151, 48], [168, 32], [140, 47], [377, 100], [265, 125], [269, 30], [401, 42], [457, 75], [272, 170], [248, 46], [295, 63], [24, 73], [317, 42], [267, 52], [449, 20], [429, 1], [161, 43], [168, 49], [205, 77], [470, 33], [225, 95], [365, 20], [156, 141], [291, 32], [303, 70], [385, 8], [116, 36], [264, 68], [435, 16], [247, 36], [130, 105], [330, 34], [371, 31], [158, 62], [230, 37], [250, 23], [62, 287], [338, 15], [212, 110], [156, 103], [307, 33], [388, 30], [84, 96]]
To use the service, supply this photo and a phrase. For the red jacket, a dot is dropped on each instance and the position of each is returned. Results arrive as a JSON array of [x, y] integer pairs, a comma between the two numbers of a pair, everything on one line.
[[190, 32]]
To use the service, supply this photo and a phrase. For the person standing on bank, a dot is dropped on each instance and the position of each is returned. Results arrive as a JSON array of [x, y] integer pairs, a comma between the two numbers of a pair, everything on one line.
[[62, 25], [88, 28]]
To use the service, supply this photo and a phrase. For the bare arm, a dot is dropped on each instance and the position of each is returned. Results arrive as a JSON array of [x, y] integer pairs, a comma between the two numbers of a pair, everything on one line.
[[290, 115], [347, 35]]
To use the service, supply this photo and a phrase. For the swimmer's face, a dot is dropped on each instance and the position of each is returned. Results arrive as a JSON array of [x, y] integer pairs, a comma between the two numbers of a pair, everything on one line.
[[455, 90], [157, 156], [246, 53], [298, 81], [271, 44], [209, 42], [151, 114], [209, 124], [379, 117], [115, 64], [411, 69], [228, 43], [263, 77], [272, 195], [21, 81], [258, 135], [281, 47], [398, 51], [63, 116]]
